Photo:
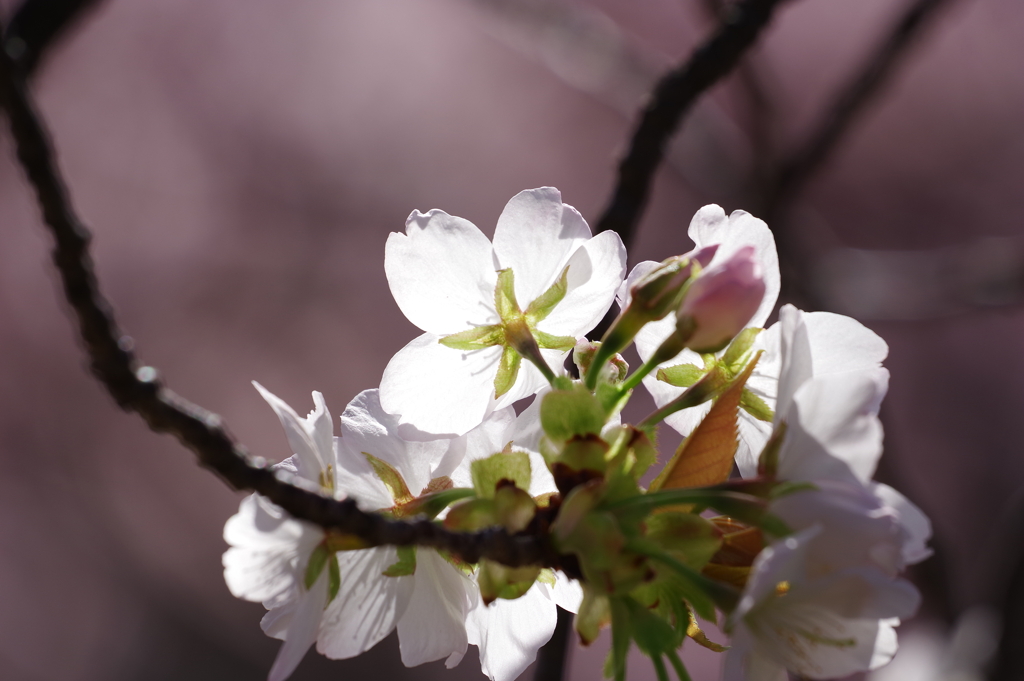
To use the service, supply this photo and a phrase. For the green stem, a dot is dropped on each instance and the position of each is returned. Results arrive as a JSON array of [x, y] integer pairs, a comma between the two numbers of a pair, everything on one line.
[[677, 663], [659, 668], [709, 385], [638, 375], [539, 362], [725, 597]]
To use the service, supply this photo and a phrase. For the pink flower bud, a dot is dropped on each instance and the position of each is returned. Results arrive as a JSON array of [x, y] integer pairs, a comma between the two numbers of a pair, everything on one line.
[[722, 300]]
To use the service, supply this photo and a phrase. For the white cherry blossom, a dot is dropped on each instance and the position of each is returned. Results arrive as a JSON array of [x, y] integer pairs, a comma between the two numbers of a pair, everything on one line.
[[270, 552], [823, 602], [436, 608], [444, 274]]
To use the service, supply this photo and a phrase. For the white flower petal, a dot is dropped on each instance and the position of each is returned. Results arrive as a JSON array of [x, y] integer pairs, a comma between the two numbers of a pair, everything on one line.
[[857, 528], [567, 593], [654, 334], [796, 359], [639, 271], [530, 381], [509, 633], [277, 620], [368, 604], [434, 624], [815, 656], [535, 236], [269, 550], [863, 593], [321, 428], [309, 461], [302, 630], [917, 525], [440, 390], [596, 270], [833, 429], [527, 431], [367, 429], [441, 273], [839, 343], [753, 435], [744, 663], [490, 437], [710, 226]]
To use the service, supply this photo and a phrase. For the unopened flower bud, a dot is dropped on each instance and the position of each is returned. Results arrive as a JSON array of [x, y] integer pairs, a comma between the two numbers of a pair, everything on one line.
[[657, 293], [722, 300]]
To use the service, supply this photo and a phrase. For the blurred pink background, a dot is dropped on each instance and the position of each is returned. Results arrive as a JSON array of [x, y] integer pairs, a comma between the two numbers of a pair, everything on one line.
[[241, 165]]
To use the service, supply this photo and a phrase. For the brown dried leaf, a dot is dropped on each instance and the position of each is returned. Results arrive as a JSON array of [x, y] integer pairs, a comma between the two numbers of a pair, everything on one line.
[[705, 457]]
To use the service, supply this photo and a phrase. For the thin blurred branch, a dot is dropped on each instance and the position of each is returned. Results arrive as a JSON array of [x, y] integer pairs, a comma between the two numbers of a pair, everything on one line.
[[590, 53], [36, 24], [672, 98], [137, 388], [849, 102]]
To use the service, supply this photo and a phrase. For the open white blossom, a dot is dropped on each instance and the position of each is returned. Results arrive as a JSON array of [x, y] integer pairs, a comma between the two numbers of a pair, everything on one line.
[[543, 272], [270, 555], [270, 550], [815, 606], [433, 603]]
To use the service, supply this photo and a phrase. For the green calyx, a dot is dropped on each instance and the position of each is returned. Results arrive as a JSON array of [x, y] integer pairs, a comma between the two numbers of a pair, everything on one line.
[[405, 565], [517, 332], [730, 365]]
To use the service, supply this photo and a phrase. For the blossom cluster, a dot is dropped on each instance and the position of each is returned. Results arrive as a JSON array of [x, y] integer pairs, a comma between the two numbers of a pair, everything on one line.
[[797, 556]]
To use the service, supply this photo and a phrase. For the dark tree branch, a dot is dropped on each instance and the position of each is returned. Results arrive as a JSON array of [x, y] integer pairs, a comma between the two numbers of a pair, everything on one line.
[[672, 99], [138, 388], [34, 27]]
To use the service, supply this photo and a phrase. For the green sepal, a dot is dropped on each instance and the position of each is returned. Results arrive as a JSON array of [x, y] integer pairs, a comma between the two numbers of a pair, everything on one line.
[[680, 375], [513, 508], [565, 413], [317, 561], [615, 666], [477, 338], [594, 614], [653, 635], [333, 578], [585, 452], [550, 342], [391, 478], [406, 563], [543, 304], [498, 581], [632, 451], [432, 504], [756, 407], [744, 507], [471, 515], [737, 354], [487, 473], [701, 592], [505, 295], [612, 399], [693, 539], [508, 371]]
